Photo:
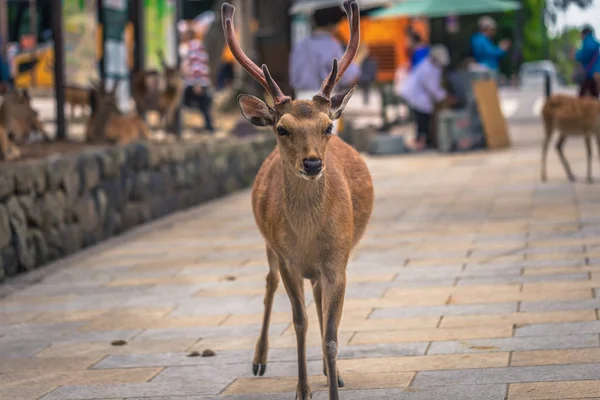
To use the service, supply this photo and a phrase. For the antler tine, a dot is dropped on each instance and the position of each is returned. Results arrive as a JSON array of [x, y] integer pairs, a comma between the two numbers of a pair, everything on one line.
[[262, 77], [329, 83], [353, 14]]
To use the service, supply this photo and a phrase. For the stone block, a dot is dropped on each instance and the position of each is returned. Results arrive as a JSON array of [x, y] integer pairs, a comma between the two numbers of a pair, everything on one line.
[[39, 244], [141, 186], [25, 177], [20, 239], [7, 182], [89, 170], [52, 207], [31, 208], [10, 261], [5, 232], [108, 164]]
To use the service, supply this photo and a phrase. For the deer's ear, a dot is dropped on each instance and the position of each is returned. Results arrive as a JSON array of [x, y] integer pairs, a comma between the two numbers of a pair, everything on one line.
[[256, 111], [339, 102]]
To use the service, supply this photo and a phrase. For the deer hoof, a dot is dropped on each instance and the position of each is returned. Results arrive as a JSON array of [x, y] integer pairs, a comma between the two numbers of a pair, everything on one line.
[[259, 369], [590, 180], [304, 394], [340, 382], [572, 178]]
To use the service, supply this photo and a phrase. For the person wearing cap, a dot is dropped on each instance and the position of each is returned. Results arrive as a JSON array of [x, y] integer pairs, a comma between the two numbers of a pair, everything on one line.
[[483, 48], [310, 59], [422, 90], [589, 58]]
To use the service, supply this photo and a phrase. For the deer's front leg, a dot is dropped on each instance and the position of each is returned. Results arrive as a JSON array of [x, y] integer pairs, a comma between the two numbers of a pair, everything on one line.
[[295, 289], [333, 291]]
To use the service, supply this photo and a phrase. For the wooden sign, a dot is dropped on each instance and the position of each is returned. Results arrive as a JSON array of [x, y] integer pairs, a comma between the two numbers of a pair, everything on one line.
[[492, 119]]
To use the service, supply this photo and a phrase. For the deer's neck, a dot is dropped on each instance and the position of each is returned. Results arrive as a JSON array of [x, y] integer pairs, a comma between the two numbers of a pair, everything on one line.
[[304, 200]]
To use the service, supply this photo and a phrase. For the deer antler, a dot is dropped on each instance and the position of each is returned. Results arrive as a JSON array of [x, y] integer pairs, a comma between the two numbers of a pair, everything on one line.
[[262, 76], [338, 71]]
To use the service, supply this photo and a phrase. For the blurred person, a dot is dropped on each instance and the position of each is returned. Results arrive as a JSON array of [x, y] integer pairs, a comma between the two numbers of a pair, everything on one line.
[[226, 73], [196, 74], [484, 50], [459, 81], [588, 56], [422, 90], [310, 60], [368, 75], [419, 50]]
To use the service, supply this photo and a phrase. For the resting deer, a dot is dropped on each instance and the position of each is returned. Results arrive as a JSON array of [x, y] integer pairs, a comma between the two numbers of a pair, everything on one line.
[[108, 123], [148, 97], [571, 116], [19, 118], [312, 200]]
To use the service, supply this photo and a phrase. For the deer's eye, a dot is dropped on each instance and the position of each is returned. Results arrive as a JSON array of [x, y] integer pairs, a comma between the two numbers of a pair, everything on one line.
[[281, 131], [329, 129]]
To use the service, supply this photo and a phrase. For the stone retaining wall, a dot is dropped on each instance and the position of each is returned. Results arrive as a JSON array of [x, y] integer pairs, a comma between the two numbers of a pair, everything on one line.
[[53, 207]]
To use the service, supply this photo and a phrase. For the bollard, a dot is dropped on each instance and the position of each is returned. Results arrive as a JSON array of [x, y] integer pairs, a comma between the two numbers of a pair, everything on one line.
[[548, 84]]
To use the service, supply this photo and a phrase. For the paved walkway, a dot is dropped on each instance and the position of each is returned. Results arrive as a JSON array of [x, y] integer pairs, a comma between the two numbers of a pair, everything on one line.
[[475, 281]]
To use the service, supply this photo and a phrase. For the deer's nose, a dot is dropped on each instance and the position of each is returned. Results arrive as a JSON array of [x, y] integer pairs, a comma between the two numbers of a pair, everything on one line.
[[312, 166]]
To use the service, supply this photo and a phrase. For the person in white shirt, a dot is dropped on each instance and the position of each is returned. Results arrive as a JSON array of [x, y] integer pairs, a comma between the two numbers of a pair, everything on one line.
[[422, 89]]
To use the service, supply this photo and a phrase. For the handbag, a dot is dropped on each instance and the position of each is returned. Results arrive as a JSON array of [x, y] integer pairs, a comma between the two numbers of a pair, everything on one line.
[[580, 73]]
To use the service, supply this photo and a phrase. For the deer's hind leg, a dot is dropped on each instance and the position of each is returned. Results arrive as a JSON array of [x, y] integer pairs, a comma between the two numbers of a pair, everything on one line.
[[259, 365], [318, 296], [588, 148], [548, 130], [559, 149]]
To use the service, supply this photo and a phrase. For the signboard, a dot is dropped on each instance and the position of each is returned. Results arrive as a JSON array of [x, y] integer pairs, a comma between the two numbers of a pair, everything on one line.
[[488, 104], [80, 25], [160, 32]]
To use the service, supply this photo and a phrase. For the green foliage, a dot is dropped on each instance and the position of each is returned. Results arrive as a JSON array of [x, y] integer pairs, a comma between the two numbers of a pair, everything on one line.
[[534, 30], [561, 48]]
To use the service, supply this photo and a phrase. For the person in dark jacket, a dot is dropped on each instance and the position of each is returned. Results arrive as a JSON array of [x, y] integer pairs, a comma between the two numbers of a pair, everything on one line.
[[368, 75]]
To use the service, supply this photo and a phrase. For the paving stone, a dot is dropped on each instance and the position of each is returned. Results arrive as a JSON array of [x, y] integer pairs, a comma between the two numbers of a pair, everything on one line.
[[534, 306], [554, 390], [467, 309], [89, 392], [555, 357], [467, 392], [514, 344], [567, 328], [205, 332], [19, 348], [41, 364], [547, 373]]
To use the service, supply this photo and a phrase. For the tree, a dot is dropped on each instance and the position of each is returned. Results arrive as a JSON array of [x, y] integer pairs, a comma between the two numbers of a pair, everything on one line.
[[560, 49], [553, 7]]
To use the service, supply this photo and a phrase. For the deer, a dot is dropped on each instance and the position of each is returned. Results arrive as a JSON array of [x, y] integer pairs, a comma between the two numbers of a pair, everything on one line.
[[19, 119], [108, 123], [312, 200], [8, 150], [148, 97], [570, 116], [77, 96]]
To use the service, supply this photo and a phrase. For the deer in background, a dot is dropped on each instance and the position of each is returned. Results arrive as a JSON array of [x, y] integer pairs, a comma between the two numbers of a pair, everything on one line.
[[20, 120], [312, 200], [148, 96], [107, 122], [571, 116], [77, 96]]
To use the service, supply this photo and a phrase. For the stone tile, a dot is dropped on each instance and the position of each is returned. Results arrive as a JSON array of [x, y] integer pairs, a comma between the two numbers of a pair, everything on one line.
[[570, 328], [554, 390], [499, 297], [571, 305], [46, 364], [514, 344], [21, 348], [26, 392], [90, 377], [547, 373], [319, 383], [555, 357], [208, 332], [517, 278], [445, 310], [467, 392], [102, 349], [417, 335], [518, 318], [149, 389]]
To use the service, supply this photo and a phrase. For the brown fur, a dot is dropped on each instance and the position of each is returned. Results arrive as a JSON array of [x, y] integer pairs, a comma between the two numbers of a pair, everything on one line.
[[77, 97], [108, 123], [310, 217], [570, 116], [8, 150], [148, 97], [18, 118]]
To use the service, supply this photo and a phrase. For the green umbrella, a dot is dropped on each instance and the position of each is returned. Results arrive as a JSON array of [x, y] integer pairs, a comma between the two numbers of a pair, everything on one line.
[[442, 8]]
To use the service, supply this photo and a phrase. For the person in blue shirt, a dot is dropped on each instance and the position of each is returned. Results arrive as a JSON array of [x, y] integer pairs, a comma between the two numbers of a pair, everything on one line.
[[483, 48], [589, 57], [420, 50]]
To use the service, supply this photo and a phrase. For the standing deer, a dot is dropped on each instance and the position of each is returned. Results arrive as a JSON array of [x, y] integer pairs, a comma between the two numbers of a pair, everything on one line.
[[148, 97], [571, 116], [312, 200]]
